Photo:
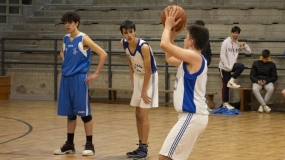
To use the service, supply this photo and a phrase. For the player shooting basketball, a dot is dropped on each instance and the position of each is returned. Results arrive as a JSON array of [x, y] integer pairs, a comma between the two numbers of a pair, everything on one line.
[[189, 89]]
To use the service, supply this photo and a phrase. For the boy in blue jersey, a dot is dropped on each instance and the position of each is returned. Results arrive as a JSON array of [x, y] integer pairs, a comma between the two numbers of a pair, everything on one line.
[[73, 98], [189, 89], [144, 78]]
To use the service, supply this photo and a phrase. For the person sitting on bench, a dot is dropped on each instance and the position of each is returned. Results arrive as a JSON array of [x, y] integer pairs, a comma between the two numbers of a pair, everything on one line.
[[263, 74]]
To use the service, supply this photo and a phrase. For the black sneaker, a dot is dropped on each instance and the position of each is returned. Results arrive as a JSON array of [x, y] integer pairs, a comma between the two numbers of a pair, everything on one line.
[[141, 154], [65, 149], [89, 149], [131, 154]]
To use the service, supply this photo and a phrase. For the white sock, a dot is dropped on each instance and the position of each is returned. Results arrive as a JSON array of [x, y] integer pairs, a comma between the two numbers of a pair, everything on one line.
[[232, 80]]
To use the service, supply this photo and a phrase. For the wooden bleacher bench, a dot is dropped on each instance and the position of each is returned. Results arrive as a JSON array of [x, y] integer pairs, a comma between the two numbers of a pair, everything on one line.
[[245, 98], [209, 96]]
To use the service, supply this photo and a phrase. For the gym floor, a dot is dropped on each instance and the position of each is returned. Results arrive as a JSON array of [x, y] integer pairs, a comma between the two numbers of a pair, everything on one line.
[[31, 130]]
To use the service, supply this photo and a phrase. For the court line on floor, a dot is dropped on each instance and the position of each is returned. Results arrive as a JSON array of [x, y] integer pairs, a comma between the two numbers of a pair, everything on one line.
[[28, 132]]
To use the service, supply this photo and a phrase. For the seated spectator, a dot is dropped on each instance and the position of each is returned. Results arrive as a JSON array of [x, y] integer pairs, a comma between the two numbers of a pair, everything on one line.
[[263, 74]]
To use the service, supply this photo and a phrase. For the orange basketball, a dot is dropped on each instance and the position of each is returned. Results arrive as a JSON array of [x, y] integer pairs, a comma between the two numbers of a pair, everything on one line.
[[180, 15]]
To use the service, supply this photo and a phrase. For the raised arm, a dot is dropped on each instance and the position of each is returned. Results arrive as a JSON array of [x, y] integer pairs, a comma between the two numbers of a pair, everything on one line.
[[167, 45], [244, 48], [168, 57]]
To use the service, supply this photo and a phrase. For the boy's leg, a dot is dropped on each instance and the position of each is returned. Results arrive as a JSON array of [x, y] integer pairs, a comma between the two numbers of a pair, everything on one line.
[[256, 91], [225, 90], [143, 132], [88, 126], [142, 124], [182, 138], [269, 91], [237, 69], [65, 109], [82, 108]]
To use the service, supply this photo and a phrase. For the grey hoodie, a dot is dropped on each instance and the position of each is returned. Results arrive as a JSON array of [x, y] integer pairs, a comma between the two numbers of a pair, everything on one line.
[[229, 53]]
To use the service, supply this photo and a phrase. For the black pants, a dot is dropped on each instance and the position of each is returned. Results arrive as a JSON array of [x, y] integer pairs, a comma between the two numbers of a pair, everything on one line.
[[226, 76]]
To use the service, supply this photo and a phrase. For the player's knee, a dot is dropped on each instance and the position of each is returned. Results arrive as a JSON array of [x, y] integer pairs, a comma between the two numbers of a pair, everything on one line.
[[86, 119], [71, 118]]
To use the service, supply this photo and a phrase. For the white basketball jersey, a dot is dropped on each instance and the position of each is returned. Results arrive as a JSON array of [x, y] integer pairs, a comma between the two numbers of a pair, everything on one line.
[[190, 89], [137, 57]]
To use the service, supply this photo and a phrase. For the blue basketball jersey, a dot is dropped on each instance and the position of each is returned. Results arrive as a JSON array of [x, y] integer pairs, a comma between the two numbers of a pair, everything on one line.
[[76, 59], [190, 89], [137, 57]]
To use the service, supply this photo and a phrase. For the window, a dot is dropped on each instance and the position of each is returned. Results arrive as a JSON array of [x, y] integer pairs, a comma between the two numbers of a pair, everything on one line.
[[3, 19], [14, 10], [10, 8], [27, 2], [3, 9], [13, 1]]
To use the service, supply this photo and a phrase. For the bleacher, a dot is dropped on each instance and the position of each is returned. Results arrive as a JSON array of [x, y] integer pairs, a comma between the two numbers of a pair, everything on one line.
[[259, 20]]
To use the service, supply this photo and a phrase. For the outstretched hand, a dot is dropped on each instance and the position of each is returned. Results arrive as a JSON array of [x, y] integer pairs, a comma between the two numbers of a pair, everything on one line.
[[170, 15]]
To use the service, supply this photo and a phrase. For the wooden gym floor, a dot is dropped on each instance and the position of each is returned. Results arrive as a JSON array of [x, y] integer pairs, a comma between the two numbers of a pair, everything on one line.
[[31, 130]]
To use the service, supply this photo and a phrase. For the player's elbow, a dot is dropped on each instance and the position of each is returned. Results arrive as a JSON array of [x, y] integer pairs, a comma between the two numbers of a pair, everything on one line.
[[163, 45], [103, 55]]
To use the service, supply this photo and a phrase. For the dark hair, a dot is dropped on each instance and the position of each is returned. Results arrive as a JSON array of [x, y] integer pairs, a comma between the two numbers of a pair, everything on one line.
[[127, 24], [200, 22], [265, 53], [200, 35], [70, 17], [236, 29]]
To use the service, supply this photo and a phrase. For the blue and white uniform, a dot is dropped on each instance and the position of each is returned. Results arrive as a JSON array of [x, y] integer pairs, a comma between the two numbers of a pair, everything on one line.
[[139, 70], [190, 103], [73, 93], [190, 90]]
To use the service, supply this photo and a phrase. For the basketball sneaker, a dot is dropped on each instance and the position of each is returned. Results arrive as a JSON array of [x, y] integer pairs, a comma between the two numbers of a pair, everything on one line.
[[267, 109], [228, 106], [141, 153], [260, 109], [232, 84], [65, 149], [131, 154], [89, 149]]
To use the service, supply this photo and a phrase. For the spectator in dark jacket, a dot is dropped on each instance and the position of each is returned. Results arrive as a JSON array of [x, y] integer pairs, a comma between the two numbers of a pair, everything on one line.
[[206, 52], [263, 74]]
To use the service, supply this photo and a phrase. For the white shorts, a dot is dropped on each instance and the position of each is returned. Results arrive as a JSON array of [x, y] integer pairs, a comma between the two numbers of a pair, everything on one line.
[[180, 141], [152, 91]]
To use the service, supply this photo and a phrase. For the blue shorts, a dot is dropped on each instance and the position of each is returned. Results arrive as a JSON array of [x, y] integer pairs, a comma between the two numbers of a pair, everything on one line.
[[73, 96]]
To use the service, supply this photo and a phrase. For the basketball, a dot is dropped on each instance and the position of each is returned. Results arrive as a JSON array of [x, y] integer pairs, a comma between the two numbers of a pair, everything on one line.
[[180, 15]]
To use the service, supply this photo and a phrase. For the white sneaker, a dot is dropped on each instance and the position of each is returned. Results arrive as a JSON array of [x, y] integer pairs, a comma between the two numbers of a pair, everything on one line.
[[89, 149], [267, 109], [232, 84], [228, 106], [260, 109]]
